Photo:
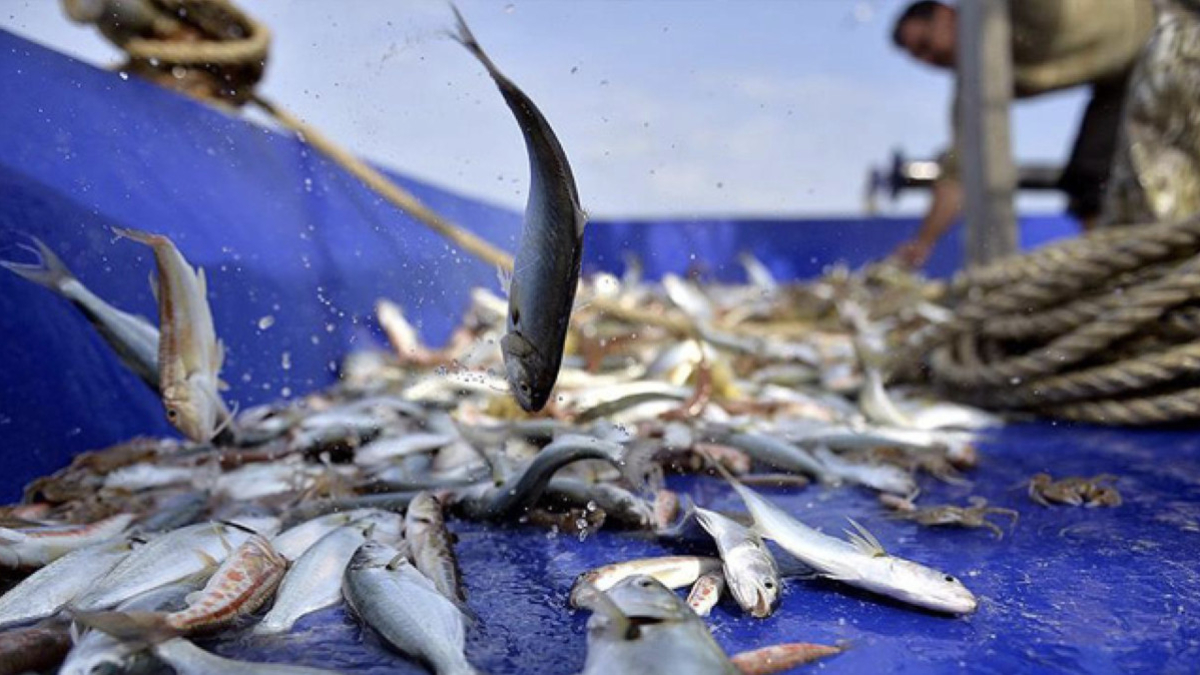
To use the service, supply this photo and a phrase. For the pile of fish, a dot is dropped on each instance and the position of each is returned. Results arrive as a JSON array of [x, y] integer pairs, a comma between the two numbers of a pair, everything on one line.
[[344, 495], [564, 407]]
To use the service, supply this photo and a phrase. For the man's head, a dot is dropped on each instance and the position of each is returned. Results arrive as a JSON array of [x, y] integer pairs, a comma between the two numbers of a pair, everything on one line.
[[927, 30]]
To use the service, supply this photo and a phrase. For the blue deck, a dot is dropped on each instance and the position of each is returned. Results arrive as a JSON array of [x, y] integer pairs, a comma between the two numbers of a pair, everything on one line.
[[285, 235]]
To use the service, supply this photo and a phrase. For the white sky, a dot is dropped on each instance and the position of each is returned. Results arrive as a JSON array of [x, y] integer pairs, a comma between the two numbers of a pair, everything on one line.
[[665, 107]]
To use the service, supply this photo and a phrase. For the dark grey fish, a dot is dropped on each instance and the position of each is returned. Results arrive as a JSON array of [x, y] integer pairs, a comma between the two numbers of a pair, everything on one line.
[[133, 338], [546, 270]]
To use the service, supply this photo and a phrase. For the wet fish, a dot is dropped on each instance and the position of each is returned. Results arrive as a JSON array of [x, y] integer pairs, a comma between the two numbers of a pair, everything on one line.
[[388, 594], [777, 453], [42, 593], [189, 354], [34, 648], [432, 546], [186, 658], [293, 542], [640, 626], [131, 337], [97, 653], [749, 568], [675, 571], [859, 562], [37, 546], [882, 477], [546, 269], [706, 593], [315, 580], [621, 506], [778, 658], [189, 552]]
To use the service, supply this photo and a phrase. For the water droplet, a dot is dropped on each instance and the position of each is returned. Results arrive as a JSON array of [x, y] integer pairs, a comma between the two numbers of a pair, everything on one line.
[[123, 75], [179, 72], [591, 506], [266, 322], [285, 360], [510, 8]]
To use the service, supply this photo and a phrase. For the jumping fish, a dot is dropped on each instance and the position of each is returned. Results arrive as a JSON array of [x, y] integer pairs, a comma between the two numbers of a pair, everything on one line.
[[189, 353], [546, 270], [133, 338]]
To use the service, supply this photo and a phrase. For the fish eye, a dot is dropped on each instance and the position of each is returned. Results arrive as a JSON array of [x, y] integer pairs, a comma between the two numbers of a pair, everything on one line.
[[769, 585], [645, 583], [172, 413], [949, 578]]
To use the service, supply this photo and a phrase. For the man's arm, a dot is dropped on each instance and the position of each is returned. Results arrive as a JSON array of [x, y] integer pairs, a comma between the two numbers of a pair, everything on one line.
[[943, 211]]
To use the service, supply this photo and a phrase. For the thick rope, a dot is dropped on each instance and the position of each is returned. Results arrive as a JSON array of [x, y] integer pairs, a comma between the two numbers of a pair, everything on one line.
[[1102, 329], [244, 41]]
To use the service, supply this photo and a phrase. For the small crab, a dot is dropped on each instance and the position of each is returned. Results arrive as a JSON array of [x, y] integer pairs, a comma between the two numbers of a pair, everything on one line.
[[974, 515], [1075, 490]]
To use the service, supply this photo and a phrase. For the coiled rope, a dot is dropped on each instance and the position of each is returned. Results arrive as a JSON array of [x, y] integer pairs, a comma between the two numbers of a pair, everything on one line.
[[1103, 329]]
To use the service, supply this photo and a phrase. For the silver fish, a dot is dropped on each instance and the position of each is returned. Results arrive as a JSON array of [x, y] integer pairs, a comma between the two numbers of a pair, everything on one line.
[[189, 552], [97, 653], [432, 546], [641, 627], [189, 354], [388, 594], [188, 659], [314, 581], [859, 562], [294, 541], [546, 268], [674, 571], [42, 593], [749, 567], [882, 477], [133, 338], [37, 546]]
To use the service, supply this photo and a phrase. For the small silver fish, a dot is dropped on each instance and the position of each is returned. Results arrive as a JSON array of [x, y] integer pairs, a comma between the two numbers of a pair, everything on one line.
[[388, 594], [750, 569], [432, 546], [186, 658], [133, 338], [42, 593], [675, 571], [37, 546]]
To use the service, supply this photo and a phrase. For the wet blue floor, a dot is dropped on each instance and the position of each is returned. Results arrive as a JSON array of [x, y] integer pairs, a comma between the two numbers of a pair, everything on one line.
[[1069, 590]]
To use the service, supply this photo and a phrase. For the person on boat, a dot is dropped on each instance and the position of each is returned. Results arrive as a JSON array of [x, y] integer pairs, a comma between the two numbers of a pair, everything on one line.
[[1056, 45]]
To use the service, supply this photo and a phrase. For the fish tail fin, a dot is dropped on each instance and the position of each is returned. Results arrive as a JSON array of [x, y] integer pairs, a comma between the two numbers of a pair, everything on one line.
[[462, 34], [49, 271], [145, 629]]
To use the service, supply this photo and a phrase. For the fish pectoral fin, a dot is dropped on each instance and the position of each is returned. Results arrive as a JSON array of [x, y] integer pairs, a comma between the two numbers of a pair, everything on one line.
[[504, 276], [141, 629], [209, 561], [864, 541]]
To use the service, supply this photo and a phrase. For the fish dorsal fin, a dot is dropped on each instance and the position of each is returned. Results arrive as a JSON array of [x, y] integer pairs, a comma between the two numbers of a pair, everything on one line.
[[209, 561], [864, 541]]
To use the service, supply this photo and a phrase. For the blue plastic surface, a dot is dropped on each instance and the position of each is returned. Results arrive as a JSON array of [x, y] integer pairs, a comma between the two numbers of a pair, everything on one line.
[[286, 236]]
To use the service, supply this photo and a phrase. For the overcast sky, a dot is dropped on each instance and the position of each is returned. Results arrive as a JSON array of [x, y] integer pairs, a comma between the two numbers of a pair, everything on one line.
[[665, 107]]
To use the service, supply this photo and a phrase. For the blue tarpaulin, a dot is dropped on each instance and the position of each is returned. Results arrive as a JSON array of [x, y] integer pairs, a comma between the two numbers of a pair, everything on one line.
[[297, 252]]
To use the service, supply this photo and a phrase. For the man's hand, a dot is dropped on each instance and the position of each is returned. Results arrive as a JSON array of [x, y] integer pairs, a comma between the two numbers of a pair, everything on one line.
[[913, 253]]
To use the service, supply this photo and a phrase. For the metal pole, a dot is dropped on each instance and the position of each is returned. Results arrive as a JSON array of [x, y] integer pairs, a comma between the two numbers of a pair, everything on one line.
[[985, 91]]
